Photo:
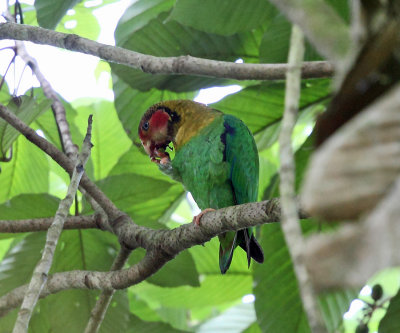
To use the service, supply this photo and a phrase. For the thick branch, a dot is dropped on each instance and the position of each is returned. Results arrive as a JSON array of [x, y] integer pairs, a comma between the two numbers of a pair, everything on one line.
[[290, 220], [42, 269], [160, 65], [321, 24], [162, 245]]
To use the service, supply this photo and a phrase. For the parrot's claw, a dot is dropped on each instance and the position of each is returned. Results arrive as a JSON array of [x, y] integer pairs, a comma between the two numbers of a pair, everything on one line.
[[197, 218]]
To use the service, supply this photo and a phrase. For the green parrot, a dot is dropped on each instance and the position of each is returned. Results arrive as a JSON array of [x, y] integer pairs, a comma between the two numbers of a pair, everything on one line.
[[215, 159]]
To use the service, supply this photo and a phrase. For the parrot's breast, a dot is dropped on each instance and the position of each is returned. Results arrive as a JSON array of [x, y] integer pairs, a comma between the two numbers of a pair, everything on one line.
[[203, 170]]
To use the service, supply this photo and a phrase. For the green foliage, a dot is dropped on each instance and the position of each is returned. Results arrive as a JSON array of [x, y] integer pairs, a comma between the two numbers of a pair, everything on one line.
[[188, 294], [227, 17], [278, 305], [25, 108], [27, 172], [390, 322], [50, 12]]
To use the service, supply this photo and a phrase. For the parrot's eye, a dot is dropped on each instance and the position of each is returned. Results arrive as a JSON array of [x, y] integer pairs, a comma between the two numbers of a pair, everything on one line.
[[145, 126]]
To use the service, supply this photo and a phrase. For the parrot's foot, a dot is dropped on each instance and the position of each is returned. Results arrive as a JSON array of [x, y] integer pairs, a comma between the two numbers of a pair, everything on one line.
[[197, 218]]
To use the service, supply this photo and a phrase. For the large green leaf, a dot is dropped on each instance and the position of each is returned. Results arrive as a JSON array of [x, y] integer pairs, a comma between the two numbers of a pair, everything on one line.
[[17, 266], [29, 206], [206, 259], [342, 7], [27, 172], [25, 206], [253, 328], [214, 290], [278, 304], [138, 15], [177, 272], [145, 199], [142, 309], [80, 21], [50, 12], [302, 156], [47, 124], [4, 91], [131, 104], [16, 269], [222, 17], [108, 137], [138, 325], [25, 108], [137, 162], [274, 47], [390, 322], [334, 305], [158, 207], [170, 38], [88, 249], [235, 319], [261, 106]]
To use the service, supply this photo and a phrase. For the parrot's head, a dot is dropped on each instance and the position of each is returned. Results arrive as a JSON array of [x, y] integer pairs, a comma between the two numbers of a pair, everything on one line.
[[157, 130]]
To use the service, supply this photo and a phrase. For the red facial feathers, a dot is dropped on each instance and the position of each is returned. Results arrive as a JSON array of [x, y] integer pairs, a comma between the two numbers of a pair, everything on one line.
[[159, 119], [155, 125]]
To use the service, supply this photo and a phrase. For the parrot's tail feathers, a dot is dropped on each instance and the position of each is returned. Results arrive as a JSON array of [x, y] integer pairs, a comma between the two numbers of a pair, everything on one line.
[[247, 242], [225, 255], [256, 251], [250, 245]]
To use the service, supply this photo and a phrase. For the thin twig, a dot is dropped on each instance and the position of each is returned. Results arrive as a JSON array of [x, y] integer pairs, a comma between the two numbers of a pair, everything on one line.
[[290, 220], [159, 65], [58, 108], [42, 224], [40, 273], [100, 309]]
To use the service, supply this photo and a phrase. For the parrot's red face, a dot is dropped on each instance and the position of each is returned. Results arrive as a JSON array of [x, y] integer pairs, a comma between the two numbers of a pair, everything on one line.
[[155, 133]]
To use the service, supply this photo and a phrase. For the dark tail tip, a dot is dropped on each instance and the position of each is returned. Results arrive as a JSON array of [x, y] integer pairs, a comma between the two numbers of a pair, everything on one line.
[[256, 251], [225, 259]]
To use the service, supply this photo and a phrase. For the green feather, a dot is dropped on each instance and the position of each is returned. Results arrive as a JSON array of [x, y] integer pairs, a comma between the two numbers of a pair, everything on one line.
[[219, 166]]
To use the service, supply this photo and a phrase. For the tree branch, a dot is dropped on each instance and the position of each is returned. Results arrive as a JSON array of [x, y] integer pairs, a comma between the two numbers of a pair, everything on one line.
[[161, 245], [58, 108], [42, 224], [100, 309], [160, 65], [42, 269], [290, 220], [66, 163]]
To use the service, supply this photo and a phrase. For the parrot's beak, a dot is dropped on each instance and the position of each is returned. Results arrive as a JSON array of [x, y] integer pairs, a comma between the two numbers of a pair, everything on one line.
[[155, 151], [149, 147]]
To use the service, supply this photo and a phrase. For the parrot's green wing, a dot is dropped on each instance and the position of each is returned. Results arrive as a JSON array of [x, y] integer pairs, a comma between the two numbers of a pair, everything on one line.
[[242, 157]]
